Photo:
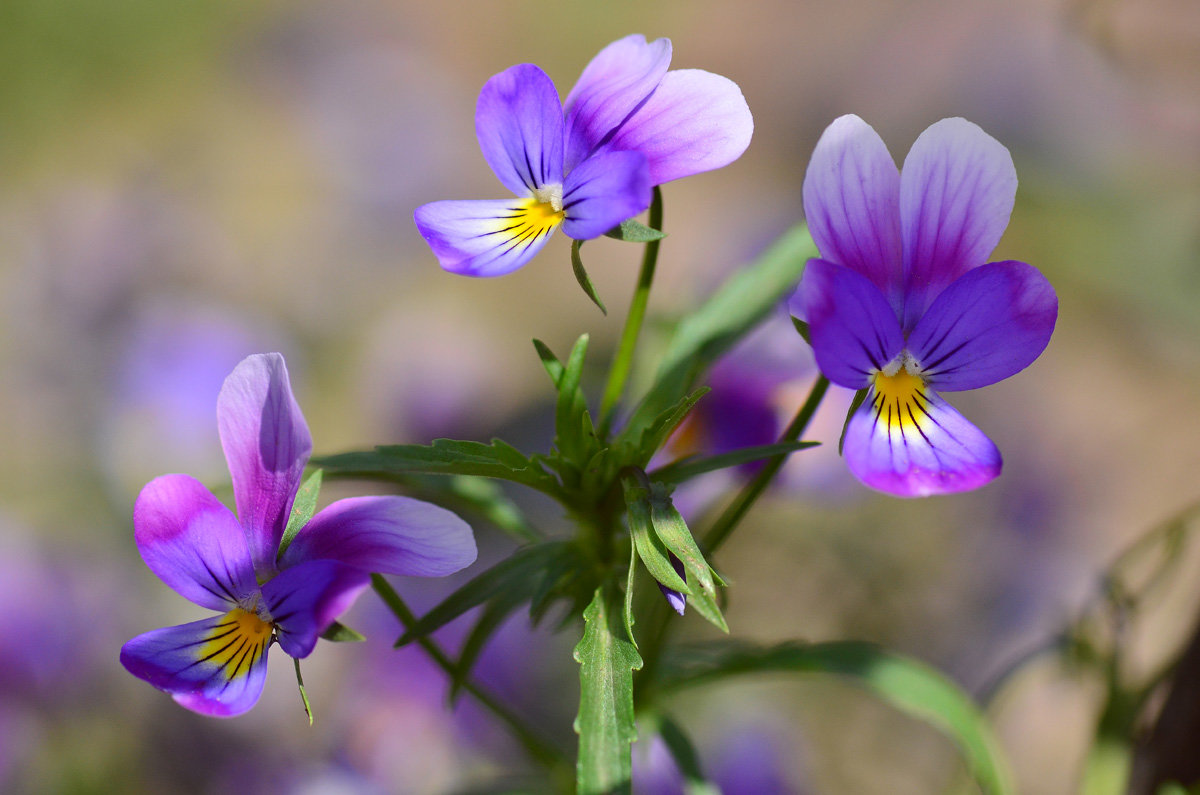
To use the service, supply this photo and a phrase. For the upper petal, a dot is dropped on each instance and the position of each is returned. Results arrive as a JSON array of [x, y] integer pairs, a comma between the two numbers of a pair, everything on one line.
[[216, 666], [389, 535], [854, 330], [852, 201], [266, 444], [695, 121], [193, 542], [489, 237], [519, 123], [916, 445], [989, 324], [605, 190], [305, 599], [612, 85], [956, 194]]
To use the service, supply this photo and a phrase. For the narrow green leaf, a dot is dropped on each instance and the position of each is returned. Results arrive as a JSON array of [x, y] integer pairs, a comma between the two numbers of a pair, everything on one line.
[[493, 615], [910, 686], [581, 276], [706, 605], [684, 754], [859, 397], [303, 693], [670, 527], [688, 468], [649, 547], [627, 614], [802, 328], [632, 231], [571, 404], [553, 366], [662, 426], [303, 508], [340, 633], [605, 721]]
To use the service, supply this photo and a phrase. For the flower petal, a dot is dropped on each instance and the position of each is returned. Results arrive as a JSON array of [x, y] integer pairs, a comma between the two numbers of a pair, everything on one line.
[[389, 535], [519, 123], [989, 324], [956, 194], [216, 666], [604, 191], [852, 204], [675, 599], [854, 330], [917, 445], [266, 444], [695, 121], [488, 237], [304, 600], [193, 542], [612, 85]]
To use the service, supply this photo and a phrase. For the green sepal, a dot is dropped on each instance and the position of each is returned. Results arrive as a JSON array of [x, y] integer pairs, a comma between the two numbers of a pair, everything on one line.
[[605, 722], [859, 397], [909, 685], [581, 276], [670, 527], [303, 508], [632, 231], [340, 633], [649, 546], [303, 693], [690, 467], [706, 605], [803, 329]]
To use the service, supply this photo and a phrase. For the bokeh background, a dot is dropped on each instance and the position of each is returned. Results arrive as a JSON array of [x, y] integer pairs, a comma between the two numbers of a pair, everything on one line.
[[182, 184]]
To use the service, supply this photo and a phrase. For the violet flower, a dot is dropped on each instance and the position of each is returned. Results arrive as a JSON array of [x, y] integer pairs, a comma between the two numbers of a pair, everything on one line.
[[217, 666], [629, 125], [900, 303]]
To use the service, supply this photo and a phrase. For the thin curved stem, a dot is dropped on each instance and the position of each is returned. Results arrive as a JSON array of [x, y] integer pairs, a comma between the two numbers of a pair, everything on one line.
[[622, 362], [538, 748]]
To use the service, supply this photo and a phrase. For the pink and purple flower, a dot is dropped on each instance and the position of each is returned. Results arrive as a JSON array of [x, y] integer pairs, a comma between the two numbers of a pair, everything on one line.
[[234, 565], [901, 304], [589, 163]]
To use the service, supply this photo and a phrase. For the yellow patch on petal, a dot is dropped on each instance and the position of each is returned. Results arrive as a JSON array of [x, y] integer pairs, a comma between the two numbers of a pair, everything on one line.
[[900, 402], [531, 219], [237, 643]]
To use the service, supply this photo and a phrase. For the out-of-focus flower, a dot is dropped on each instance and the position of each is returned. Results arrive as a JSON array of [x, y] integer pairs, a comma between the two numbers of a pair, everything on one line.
[[750, 758], [234, 564], [629, 125], [900, 304]]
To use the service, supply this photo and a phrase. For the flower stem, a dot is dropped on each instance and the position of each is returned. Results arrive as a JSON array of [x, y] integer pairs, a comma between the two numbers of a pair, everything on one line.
[[737, 509], [622, 362], [538, 748]]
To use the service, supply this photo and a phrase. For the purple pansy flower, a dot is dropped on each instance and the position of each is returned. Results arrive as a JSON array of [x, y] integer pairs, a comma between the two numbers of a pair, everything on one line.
[[629, 125], [900, 302], [232, 564]]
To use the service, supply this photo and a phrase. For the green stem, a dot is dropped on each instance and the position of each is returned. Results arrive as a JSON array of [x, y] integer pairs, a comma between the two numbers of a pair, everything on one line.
[[622, 363], [540, 750], [737, 509]]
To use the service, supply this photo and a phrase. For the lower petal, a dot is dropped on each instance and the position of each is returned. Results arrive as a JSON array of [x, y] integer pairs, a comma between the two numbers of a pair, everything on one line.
[[215, 667], [304, 600], [603, 191], [486, 237], [916, 445]]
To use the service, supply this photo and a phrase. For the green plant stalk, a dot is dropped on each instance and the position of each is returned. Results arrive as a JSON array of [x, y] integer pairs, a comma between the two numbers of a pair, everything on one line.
[[622, 362], [732, 515], [539, 749]]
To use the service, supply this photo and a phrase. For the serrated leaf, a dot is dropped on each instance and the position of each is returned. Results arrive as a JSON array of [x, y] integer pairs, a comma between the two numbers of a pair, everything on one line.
[[340, 633], [803, 329], [581, 276], [650, 548], [446, 457], [632, 231], [303, 508], [910, 686], [605, 721], [706, 605], [670, 527], [742, 303], [859, 397], [688, 468]]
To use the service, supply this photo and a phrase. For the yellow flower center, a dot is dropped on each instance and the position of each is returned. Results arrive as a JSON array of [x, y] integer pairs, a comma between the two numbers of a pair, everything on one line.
[[533, 218], [237, 642], [899, 401]]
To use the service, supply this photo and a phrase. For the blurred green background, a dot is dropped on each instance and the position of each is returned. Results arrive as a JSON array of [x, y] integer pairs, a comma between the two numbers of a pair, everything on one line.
[[182, 184]]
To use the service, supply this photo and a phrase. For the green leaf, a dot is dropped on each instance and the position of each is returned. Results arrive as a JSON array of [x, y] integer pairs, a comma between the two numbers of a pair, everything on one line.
[[910, 686], [684, 754], [705, 605], [569, 411], [661, 428], [647, 543], [446, 457], [632, 231], [605, 721], [340, 633], [670, 527], [803, 329], [493, 615], [859, 397], [741, 303], [627, 613], [688, 468], [303, 508], [553, 366], [581, 276]]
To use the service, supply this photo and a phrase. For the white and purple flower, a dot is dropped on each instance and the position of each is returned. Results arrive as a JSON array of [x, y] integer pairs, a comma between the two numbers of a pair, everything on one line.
[[233, 564], [589, 163], [900, 302]]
